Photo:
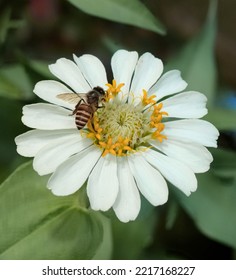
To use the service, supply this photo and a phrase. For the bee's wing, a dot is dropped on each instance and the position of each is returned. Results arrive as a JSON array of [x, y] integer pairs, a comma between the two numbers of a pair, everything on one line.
[[72, 98]]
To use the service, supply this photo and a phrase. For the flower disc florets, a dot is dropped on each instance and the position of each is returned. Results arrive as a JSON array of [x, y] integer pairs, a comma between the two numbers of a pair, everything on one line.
[[120, 127]]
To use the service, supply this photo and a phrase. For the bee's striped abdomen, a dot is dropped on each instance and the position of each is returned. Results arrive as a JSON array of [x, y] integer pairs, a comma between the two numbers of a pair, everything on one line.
[[83, 114]]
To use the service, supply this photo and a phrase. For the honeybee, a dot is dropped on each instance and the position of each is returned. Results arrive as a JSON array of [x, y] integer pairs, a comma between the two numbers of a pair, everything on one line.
[[87, 104]]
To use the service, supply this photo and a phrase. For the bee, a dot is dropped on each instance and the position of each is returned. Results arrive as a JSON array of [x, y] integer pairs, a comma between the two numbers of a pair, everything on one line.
[[87, 104]]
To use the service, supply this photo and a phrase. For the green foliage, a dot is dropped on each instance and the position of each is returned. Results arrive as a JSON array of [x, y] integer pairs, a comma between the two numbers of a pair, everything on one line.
[[11, 126], [15, 83], [104, 252], [132, 12], [213, 207], [41, 68], [34, 224], [224, 164], [198, 67], [213, 204], [197, 59], [132, 238], [6, 23], [222, 118]]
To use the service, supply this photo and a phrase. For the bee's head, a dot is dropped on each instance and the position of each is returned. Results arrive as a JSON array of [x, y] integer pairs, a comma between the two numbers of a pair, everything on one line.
[[95, 95], [99, 90]]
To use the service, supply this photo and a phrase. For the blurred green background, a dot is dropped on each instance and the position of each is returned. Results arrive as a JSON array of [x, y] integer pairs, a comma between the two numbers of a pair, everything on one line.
[[196, 36]]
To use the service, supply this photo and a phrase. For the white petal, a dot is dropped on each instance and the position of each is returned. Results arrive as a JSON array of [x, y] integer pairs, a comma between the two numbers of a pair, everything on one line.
[[173, 170], [48, 90], [30, 142], [47, 116], [128, 203], [103, 184], [123, 64], [148, 70], [92, 69], [52, 155], [150, 182], [72, 174], [190, 104], [68, 72], [196, 156], [170, 83], [196, 131]]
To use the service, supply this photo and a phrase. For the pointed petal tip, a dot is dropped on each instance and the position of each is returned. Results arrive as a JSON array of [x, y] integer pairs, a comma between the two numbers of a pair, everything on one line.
[[74, 56]]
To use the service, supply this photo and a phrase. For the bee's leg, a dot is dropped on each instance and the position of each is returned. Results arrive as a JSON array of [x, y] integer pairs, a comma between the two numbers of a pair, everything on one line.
[[76, 108], [90, 119]]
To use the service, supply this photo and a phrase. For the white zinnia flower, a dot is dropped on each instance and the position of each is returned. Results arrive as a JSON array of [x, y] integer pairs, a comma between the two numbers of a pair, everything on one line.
[[138, 137]]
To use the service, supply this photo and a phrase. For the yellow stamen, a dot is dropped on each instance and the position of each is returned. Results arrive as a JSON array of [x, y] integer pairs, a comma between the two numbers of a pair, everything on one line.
[[156, 116], [157, 134], [113, 90], [95, 129], [155, 122], [147, 100], [118, 148], [109, 147]]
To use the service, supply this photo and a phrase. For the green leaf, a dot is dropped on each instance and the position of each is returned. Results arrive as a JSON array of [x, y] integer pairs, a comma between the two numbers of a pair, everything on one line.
[[41, 67], [111, 44], [6, 23], [197, 59], [224, 164], [131, 238], [132, 12], [222, 118], [172, 213], [105, 249], [14, 82], [213, 207], [10, 118], [38, 66], [34, 224]]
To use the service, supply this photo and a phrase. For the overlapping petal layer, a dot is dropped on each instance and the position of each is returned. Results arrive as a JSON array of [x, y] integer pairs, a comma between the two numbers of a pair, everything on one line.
[[128, 202], [103, 184], [47, 117], [72, 174]]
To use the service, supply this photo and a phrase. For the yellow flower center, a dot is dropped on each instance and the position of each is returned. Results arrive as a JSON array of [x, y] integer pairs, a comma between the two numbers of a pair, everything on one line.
[[120, 128]]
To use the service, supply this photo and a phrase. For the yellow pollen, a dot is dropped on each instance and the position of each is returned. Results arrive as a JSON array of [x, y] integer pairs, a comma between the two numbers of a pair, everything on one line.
[[113, 90]]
